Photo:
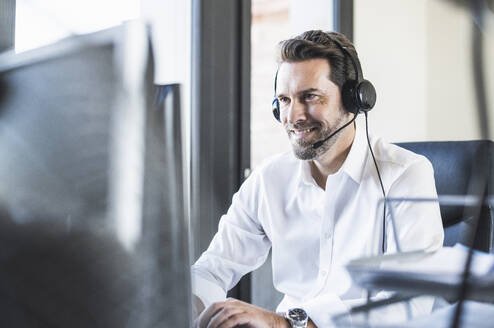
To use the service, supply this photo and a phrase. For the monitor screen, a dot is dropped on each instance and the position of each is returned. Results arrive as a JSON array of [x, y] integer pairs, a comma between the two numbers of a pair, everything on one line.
[[91, 169]]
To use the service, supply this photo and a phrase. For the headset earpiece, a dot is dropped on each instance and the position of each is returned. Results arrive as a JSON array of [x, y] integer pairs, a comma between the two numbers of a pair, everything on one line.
[[275, 106], [366, 95], [357, 96]]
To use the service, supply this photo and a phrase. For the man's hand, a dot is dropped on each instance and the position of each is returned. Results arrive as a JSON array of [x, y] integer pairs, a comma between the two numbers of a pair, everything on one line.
[[234, 313]]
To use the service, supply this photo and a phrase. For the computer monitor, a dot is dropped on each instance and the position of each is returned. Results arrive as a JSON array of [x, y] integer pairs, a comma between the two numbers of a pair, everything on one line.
[[90, 145]]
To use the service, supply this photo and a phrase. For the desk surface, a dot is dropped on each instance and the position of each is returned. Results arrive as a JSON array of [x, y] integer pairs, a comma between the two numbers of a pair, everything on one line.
[[475, 314], [413, 274]]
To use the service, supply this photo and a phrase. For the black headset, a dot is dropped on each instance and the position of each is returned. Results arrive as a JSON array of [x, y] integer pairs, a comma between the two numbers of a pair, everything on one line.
[[357, 95]]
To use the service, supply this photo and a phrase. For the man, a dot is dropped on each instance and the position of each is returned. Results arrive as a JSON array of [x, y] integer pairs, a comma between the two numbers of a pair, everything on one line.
[[318, 207]]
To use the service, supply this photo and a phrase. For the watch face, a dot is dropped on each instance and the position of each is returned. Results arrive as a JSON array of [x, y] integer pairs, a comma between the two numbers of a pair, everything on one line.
[[297, 315]]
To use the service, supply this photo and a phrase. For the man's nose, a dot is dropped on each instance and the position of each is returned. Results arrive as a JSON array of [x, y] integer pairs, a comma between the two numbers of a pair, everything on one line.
[[296, 112]]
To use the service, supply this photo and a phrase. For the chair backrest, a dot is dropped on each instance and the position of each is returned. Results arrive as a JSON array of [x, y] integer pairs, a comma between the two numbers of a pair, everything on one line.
[[453, 163]]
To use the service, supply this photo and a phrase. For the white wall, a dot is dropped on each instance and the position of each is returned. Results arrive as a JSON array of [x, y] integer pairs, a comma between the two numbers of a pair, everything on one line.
[[311, 15], [452, 111], [417, 53], [390, 37]]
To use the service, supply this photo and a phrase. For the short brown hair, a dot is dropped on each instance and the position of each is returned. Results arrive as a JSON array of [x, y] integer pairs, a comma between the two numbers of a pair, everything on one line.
[[319, 44]]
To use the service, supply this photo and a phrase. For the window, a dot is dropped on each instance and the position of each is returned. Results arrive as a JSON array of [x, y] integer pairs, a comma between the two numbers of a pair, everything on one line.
[[40, 22]]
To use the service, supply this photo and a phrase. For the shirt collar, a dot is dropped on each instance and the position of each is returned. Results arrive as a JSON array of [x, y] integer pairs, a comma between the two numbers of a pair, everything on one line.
[[354, 164]]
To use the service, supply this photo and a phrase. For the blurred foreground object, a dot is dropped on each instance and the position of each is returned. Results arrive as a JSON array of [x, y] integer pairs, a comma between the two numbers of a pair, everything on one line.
[[53, 278], [89, 144]]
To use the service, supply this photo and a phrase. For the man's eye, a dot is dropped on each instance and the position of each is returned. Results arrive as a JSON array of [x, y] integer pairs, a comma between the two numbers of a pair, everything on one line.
[[310, 96], [284, 100]]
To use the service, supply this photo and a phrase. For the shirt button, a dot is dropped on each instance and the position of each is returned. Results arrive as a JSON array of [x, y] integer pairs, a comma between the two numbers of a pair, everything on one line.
[[327, 235], [323, 273]]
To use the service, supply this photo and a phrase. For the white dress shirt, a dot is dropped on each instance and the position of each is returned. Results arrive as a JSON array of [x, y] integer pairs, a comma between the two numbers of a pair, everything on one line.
[[313, 232]]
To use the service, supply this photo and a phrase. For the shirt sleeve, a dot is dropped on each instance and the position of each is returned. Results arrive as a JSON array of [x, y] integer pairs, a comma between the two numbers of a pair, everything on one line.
[[240, 246]]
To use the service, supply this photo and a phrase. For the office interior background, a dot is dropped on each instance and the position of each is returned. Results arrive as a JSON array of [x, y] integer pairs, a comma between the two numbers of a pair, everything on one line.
[[417, 53]]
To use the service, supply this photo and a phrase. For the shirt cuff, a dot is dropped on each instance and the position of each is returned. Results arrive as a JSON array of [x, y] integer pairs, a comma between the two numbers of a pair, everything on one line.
[[321, 309], [207, 291]]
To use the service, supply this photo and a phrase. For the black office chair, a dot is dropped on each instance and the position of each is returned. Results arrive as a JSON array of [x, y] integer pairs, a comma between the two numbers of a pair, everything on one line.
[[453, 162]]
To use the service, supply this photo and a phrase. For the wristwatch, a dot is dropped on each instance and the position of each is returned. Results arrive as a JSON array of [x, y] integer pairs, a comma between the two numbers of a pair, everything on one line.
[[297, 318]]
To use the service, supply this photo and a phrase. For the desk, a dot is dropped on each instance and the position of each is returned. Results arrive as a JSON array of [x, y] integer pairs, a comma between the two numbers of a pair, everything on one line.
[[475, 314]]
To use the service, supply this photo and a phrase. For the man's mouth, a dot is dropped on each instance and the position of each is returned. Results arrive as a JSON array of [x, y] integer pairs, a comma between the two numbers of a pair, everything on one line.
[[302, 133]]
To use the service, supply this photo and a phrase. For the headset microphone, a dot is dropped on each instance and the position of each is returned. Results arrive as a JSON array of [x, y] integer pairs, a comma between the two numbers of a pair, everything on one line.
[[321, 142]]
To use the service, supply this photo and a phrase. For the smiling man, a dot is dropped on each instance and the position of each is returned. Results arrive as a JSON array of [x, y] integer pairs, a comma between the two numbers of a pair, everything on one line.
[[311, 110], [317, 207]]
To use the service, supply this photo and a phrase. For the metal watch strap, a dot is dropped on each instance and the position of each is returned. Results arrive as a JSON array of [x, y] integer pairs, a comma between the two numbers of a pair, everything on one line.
[[301, 321]]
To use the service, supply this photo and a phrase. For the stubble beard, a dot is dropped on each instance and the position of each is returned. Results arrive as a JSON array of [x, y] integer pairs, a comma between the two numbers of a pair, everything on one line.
[[303, 148]]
